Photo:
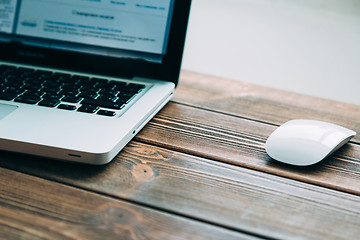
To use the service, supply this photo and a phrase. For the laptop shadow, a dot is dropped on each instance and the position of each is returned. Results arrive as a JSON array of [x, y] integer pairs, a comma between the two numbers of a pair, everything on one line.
[[48, 168]]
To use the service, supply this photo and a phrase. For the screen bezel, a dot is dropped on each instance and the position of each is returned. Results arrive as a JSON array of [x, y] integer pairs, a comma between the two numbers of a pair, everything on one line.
[[168, 70]]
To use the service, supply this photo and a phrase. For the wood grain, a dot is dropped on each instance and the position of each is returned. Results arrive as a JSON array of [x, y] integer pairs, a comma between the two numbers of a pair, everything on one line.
[[261, 103], [198, 170], [33, 208], [242, 142], [209, 191]]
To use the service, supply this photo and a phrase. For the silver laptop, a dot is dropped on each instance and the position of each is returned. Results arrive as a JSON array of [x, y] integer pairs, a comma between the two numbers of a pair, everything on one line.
[[79, 79]]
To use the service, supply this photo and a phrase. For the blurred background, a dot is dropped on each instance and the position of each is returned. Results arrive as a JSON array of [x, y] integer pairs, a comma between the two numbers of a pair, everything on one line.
[[305, 46]]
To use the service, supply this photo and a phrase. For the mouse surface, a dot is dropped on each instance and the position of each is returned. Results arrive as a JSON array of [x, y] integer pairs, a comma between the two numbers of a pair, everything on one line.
[[305, 142]]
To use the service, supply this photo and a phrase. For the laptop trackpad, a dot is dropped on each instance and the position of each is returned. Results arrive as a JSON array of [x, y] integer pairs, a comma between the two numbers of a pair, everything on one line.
[[6, 109]]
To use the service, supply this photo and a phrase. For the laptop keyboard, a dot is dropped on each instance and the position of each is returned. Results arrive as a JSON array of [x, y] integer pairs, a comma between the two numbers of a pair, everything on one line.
[[65, 91]]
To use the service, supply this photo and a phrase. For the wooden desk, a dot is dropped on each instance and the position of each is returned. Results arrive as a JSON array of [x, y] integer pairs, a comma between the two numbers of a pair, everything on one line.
[[198, 170]]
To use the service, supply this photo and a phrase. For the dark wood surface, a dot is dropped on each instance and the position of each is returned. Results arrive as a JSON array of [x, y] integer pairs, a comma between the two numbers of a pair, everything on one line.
[[198, 170]]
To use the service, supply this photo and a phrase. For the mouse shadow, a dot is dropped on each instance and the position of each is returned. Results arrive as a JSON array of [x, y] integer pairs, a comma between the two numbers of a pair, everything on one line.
[[337, 160], [311, 169]]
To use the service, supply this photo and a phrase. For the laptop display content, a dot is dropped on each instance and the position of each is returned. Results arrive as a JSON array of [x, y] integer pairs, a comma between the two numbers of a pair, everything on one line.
[[69, 67], [107, 27]]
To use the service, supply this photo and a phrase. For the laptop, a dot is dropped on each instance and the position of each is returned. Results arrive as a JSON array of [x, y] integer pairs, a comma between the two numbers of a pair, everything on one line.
[[79, 79]]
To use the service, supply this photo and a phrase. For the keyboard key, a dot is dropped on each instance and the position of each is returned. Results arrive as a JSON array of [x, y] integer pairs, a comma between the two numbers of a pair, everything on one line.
[[33, 92], [14, 84], [136, 87], [25, 71], [125, 98], [99, 80], [53, 96], [107, 98], [72, 92], [8, 96], [17, 91], [88, 109], [69, 85], [49, 102], [108, 92], [7, 68], [50, 90], [104, 85], [71, 99], [88, 88], [106, 113], [87, 94], [105, 104], [80, 78], [51, 84], [61, 75], [32, 87], [118, 85], [29, 99], [67, 107], [43, 73]]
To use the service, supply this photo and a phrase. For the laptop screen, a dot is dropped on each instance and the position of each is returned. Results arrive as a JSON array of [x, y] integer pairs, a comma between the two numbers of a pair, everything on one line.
[[119, 28]]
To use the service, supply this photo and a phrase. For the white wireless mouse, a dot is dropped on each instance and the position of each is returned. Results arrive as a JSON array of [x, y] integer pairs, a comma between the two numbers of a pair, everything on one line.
[[305, 142]]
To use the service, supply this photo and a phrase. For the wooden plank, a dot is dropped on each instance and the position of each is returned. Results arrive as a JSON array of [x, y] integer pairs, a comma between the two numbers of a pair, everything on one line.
[[33, 208], [242, 142], [261, 103], [214, 192]]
